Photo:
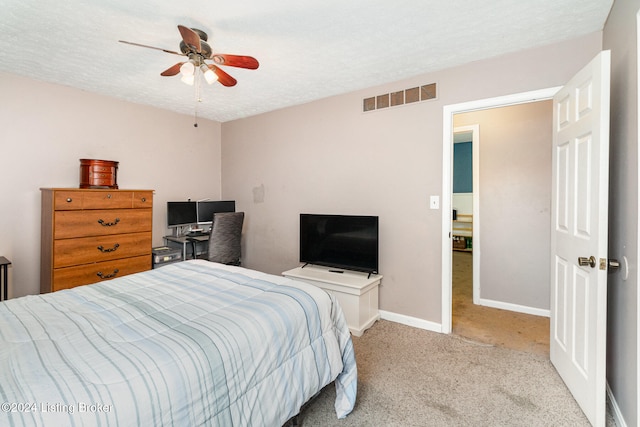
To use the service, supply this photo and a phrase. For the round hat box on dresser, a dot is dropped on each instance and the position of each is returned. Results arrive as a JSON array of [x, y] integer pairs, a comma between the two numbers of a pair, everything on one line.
[[98, 173]]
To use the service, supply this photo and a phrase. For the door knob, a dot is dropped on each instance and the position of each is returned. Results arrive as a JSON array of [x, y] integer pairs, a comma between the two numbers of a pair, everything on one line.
[[587, 262]]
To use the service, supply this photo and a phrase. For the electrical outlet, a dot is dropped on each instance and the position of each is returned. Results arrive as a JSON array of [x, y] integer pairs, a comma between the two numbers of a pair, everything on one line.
[[434, 202]]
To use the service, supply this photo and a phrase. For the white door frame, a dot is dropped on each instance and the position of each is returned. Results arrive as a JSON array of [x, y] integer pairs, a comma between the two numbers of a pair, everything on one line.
[[638, 260], [447, 168]]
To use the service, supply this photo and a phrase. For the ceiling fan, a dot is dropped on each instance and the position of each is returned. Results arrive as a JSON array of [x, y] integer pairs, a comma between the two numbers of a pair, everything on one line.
[[195, 47]]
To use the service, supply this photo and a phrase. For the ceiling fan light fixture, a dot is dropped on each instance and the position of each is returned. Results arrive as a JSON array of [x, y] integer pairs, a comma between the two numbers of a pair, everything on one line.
[[187, 69], [188, 79], [208, 74]]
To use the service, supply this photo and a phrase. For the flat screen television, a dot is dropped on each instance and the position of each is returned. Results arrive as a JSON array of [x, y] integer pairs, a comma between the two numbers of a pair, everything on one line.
[[207, 208], [181, 214], [347, 242]]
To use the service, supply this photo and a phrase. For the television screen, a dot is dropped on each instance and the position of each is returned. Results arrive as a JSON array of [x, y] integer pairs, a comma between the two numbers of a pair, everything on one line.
[[181, 213], [342, 241], [207, 208]]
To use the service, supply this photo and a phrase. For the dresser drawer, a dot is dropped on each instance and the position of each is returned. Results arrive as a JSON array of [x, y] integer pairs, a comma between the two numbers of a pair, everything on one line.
[[85, 250], [102, 199], [107, 199], [67, 200], [142, 199], [69, 224], [69, 277]]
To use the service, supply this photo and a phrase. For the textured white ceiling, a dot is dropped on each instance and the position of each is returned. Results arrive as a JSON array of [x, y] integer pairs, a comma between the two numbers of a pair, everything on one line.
[[307, 49]]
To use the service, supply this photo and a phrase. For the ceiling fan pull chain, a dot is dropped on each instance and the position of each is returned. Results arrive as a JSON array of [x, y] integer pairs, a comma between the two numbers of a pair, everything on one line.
[[195, 124], [198, 84], [197, 93]]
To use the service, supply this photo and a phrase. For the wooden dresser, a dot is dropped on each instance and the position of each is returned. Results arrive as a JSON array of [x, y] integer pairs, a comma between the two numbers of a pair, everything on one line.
[[90, 235]]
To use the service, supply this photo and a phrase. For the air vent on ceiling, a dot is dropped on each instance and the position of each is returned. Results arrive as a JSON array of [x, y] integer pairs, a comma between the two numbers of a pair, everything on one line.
[[407, 96]]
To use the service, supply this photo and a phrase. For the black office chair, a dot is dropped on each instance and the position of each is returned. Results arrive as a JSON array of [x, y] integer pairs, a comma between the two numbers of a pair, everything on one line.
[[224, 240]]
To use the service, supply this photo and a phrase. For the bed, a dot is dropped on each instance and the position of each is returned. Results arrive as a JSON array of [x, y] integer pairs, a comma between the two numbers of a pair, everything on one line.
[[189, 344]]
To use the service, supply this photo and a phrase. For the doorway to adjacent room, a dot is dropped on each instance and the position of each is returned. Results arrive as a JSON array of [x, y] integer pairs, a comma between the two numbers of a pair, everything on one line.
[[500, 306]]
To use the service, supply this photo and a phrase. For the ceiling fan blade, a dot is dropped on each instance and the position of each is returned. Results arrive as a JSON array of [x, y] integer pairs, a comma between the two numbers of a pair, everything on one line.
[[236, 60], [173, 70], [190, 37], [224, 78], [151, 47]]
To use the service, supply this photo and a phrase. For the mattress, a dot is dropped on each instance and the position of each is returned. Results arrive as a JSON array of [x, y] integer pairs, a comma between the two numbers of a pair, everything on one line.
[[193, 343]]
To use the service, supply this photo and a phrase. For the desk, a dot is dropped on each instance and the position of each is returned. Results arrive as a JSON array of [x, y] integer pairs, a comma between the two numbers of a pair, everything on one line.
[[4, 277], [184, 242]]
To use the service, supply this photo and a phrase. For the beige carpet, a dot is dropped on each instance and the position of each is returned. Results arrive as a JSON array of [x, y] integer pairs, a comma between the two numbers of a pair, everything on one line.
[[491, 325], [493, 371], [412, 377]]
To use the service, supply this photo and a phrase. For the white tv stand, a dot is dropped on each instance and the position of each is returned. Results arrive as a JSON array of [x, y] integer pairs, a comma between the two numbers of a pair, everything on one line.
[[357, 293]]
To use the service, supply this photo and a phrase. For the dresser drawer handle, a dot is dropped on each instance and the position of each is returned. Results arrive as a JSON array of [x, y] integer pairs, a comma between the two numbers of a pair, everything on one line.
[[102, 249], [144, 199], [107, 276], [108, 224], [69, 200]]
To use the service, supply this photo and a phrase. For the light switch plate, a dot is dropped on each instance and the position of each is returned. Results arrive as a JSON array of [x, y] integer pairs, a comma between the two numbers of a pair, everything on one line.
[[434, 202]]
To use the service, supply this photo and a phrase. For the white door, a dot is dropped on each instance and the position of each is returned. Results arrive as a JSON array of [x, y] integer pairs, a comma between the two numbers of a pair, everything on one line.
[[579, 235]]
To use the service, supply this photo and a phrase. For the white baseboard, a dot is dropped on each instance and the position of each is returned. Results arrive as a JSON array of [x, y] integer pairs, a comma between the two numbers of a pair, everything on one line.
[[513, 307], [437, 327], [615, 409], [411, 321]]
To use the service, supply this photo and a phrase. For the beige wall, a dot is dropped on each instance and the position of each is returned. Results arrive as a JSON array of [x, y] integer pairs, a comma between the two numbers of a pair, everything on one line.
[[45, 129], [515, 204], [620, 36], [329, 157]]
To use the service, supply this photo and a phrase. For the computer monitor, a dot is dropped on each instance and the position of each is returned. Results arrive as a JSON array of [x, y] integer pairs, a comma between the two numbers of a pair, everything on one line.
[[181, 214], [207, 208]]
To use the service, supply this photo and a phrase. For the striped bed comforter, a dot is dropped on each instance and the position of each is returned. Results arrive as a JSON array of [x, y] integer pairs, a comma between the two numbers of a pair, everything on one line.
[[189, 344]]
